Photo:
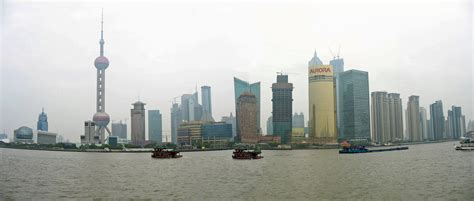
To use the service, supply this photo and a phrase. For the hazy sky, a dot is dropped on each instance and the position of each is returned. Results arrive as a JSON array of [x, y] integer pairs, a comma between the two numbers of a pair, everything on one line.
[[163, 49]]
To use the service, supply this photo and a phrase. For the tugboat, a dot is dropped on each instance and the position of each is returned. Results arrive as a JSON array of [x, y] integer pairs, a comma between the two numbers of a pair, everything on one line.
[[162, 152], [247, 154]]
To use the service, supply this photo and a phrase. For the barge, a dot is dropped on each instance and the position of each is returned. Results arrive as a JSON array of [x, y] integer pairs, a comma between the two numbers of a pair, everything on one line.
[[246, 154], [349, 149]]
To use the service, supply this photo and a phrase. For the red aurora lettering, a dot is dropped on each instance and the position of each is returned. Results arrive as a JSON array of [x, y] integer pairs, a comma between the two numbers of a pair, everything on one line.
[[320, 70]]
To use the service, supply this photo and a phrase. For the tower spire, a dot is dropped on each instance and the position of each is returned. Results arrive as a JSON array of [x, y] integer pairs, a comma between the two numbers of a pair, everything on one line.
[[102, 34]]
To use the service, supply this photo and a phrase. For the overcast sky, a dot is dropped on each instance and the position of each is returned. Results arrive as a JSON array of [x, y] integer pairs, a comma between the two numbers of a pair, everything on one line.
[[163, 49]]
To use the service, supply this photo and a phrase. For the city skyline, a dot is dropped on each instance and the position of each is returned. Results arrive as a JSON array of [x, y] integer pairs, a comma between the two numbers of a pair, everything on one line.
[[61, 94]]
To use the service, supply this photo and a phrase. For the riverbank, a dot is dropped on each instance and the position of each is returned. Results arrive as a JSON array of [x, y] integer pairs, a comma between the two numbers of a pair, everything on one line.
[[147, 150]]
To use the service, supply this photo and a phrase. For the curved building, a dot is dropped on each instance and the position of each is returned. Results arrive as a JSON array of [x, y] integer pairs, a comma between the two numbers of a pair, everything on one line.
[[23, 134], [322, 102]]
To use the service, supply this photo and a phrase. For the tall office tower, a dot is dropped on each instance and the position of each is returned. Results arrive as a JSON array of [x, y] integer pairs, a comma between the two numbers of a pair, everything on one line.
[[455, 118], [414, 132], [206, 103], [447, 127], [176, 119], [270, 125], [154, 126], [231, 120], [187, 107], [282, 108], [423, 124], [198, 115], [380, 117], [138, 122], [247, 118], [322, 102], [240, 87], [101, 118], [120, 130], [42, 124], [395, 111], [354, 105], [437, 120], [338, 66], [430, 130], [298, 120]]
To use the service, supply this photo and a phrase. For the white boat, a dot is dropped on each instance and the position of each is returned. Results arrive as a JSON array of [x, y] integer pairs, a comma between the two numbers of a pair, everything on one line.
[[466, 144]]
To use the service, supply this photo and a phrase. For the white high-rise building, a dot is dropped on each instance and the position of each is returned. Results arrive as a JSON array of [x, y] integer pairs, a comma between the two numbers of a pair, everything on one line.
[[424, 123]]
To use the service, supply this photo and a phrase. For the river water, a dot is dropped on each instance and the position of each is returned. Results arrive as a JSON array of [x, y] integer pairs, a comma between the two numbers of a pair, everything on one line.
[[424, 172]]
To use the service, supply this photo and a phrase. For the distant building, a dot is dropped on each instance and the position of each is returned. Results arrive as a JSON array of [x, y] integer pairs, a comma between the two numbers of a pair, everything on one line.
[[423, 123], [437, 120], [298, 131], [322, 102], [247, 118], [154, 126], [414, 131], [138, 122], [338, 67], [176, 119], [42, 121], [189, 133], [240, 87], [395, 111], [270, 125], [380, 117], [353, 97], [23, 135], [120, 130], [282, 108], [3, 136], [470, 126], [217, 130], [90, 136], [456, 123], [231, 120], [206, 104], [44, 137]]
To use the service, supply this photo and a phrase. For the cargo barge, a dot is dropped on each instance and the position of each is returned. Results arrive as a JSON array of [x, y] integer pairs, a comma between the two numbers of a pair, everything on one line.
[[245, 154], [349, 149], [160, 152]]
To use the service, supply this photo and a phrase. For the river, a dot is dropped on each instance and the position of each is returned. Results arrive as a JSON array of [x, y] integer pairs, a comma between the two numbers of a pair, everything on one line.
[[424, 172]]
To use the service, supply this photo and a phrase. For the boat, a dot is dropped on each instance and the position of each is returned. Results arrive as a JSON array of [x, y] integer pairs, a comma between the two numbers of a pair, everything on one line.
[[161, 152], [347, 148], [247, 154], [466, 144]]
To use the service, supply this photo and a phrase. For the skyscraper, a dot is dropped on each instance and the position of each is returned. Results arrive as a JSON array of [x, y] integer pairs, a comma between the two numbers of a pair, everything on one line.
[[395, 111], [154, 126], [437, 120], [101, 118], [338, 66], [138, 122], [322, 103], [455, 119], [247, 118], [240, 87], [354, 105], [206, 103], [120, 130], [380, 117], [176, 119], [423, 123], [270, 125], [42, 124], [282, 108], [414, 132]]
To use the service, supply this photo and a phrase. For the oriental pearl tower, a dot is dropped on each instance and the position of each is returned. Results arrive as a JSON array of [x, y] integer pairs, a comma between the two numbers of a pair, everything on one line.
[[101, 118]]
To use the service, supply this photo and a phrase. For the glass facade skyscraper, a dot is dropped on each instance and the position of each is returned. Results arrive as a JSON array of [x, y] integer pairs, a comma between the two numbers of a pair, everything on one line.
[[437, 121], [42, 121], [240, 87], [154, 126], [354, 105], [282, 108]]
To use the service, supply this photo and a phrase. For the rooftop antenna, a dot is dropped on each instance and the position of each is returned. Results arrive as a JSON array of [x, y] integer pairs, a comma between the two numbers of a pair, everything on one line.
[[338, 51]]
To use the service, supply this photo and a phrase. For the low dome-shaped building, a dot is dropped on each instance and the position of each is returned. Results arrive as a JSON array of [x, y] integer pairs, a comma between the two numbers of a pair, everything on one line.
[[23, 133]]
